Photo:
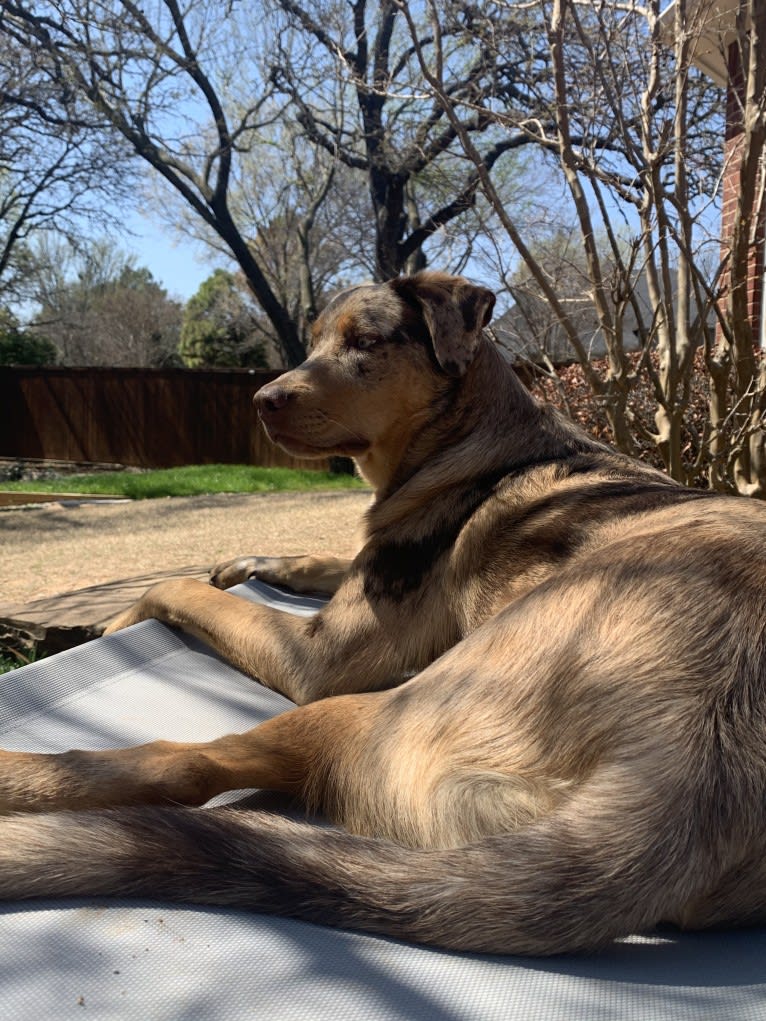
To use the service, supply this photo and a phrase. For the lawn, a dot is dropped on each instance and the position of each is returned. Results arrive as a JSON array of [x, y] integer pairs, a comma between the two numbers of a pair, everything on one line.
[[192, 480]]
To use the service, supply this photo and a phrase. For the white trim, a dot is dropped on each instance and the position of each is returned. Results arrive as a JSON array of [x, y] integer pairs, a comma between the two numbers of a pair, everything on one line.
[[717, 19]]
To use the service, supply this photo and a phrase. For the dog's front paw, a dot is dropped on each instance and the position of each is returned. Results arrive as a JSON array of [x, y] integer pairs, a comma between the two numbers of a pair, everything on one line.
[[298, 573], [234, 572]]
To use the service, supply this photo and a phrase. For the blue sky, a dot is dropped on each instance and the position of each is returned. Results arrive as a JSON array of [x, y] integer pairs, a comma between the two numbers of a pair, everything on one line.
[[177, 264]]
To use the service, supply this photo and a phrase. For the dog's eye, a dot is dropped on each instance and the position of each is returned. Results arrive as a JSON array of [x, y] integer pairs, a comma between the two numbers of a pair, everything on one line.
[[364, 341]]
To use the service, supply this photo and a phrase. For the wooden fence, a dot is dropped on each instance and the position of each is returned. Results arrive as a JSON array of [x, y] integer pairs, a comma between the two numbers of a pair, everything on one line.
[[152, 418]]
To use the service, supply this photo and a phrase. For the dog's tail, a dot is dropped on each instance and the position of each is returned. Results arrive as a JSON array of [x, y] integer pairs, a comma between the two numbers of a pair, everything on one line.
[[556, 886]]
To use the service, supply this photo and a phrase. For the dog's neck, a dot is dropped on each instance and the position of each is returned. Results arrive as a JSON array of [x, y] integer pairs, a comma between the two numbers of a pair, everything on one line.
[[456, 440]]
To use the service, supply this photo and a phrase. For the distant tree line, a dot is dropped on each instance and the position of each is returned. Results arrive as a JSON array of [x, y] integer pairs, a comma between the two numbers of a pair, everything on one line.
[[100, 308]]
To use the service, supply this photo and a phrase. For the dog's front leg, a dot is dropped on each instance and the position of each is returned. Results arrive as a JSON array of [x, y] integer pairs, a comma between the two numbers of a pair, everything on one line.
[[345, 648]]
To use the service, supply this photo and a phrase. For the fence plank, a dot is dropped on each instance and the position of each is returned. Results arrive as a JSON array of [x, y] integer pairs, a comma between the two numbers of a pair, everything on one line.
[[150, 418]]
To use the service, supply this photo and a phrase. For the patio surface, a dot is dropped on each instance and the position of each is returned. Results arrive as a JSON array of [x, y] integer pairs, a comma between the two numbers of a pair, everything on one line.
[[68, 568]]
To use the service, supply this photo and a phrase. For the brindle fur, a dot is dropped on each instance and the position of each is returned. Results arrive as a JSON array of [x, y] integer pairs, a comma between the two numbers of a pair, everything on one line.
[[582, 750]]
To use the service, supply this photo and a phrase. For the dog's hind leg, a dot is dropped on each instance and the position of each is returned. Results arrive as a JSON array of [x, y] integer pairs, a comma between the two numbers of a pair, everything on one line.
[[288, 753], [353, 758], [594, 871]]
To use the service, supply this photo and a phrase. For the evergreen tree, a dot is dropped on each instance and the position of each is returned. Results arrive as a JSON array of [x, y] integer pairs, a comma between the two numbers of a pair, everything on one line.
[[218, 328], [20, 347]]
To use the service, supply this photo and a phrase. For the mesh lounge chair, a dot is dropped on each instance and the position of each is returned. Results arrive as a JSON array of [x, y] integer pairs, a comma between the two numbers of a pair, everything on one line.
[[128, 959]]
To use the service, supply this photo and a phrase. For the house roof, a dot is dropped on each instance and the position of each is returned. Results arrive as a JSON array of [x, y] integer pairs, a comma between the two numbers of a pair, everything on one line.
[[716, 20]]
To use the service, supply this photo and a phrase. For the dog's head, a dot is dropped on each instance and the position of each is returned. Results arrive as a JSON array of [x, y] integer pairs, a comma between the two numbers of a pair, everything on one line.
[[381, 355]]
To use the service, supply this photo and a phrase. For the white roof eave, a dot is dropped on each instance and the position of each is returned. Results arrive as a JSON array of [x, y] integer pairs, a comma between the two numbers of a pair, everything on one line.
[[713, 24]]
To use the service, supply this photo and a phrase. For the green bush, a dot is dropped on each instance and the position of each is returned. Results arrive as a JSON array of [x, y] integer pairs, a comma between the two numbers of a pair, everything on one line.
[[217, 328], [18, 347]]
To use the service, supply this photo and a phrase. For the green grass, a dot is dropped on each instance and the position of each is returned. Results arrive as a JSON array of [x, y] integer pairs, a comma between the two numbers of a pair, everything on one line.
[[192, 480], [8, 663]]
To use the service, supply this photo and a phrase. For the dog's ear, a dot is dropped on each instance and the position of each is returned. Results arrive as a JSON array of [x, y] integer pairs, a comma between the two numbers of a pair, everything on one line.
[[455, 312]]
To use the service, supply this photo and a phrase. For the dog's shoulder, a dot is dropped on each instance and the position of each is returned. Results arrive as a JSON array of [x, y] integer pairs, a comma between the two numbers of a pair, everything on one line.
[[403, 548]]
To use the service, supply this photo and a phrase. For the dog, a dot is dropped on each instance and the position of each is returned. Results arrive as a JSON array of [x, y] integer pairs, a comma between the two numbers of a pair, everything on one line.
[[534, 705]]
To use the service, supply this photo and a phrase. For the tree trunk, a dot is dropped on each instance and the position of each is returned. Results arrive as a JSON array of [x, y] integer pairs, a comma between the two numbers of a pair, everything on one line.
[[288, 336], [387, 194]]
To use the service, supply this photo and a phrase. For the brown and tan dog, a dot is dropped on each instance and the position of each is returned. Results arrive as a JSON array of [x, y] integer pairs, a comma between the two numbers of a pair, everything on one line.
[[581, 751]]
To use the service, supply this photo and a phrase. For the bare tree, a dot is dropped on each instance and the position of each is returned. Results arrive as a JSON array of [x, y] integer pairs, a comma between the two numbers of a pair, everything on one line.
[[352, 76], [636, 133], [58, 162], [292, 207], [160, 81], [99, 308], [738, 392], [161, 77]]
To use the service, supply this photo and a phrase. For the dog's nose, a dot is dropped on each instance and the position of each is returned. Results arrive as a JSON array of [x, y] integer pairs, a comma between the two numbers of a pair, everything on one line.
[[271, 398]]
